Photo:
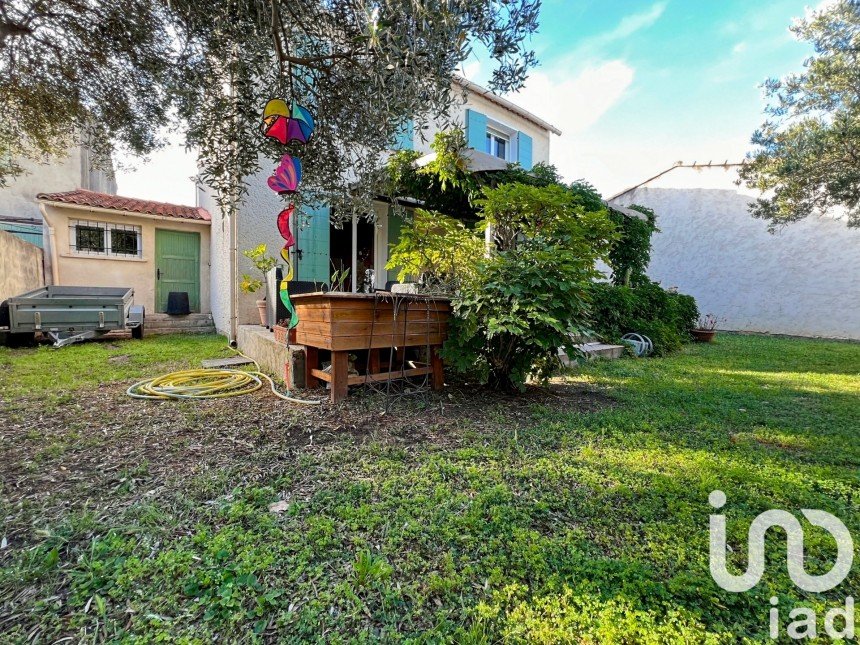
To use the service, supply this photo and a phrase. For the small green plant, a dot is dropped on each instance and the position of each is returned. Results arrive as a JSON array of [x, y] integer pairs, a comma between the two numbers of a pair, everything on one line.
[[339, 278], [262, 262], [369, 568]]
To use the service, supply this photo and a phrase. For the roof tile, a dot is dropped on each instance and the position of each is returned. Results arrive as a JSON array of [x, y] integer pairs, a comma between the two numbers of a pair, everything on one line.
[[127, 204]]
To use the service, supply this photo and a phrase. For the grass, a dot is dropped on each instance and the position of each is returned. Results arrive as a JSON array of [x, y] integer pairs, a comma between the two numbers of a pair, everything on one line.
[[530, 521], [46, 373]]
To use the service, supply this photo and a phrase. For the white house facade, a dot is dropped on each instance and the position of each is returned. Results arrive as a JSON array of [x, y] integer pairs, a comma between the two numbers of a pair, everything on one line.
[[803, 280], [497, 130]]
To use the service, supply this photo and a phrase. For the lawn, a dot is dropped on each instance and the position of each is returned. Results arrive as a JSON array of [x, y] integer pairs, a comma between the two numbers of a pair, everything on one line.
[[577, 513]]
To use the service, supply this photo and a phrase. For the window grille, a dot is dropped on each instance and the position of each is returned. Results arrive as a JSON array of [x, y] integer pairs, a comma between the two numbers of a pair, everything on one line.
[[104, 238]]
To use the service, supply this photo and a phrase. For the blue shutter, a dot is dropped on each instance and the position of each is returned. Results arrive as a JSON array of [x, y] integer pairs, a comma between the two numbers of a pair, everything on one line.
[[404, 139], [476, 130], [524, 146], [313, 240]]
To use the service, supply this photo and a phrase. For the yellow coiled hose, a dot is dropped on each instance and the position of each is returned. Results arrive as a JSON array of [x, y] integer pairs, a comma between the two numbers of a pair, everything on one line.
[[211, 383]]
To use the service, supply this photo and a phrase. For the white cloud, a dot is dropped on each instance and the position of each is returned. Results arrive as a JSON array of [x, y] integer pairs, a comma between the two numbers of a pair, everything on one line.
[[625, 28], [629, 25], [573, 102]]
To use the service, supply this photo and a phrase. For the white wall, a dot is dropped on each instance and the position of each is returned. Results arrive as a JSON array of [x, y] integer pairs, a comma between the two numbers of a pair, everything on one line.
[[540, 137], [257, 224], [804, 280], [18, 198]]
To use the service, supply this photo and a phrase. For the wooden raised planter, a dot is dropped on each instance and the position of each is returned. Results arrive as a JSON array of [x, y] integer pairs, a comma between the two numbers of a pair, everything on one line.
[[348, 322]]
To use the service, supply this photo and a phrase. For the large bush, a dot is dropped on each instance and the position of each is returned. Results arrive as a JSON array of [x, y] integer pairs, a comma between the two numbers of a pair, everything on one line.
[[530, 295], [665, 317]]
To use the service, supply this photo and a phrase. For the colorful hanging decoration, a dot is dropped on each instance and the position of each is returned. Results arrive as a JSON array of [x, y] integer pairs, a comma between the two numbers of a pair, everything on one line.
[[285, 125], [284, 225], [301, 125], [287, 175]]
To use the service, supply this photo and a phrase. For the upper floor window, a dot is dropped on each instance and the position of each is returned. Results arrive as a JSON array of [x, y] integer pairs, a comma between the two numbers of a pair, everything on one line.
[[103, 238], [498, 144]]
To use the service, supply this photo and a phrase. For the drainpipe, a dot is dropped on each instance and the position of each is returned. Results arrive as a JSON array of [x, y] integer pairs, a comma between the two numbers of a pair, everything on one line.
[[52, 246], [234, 231], [234, 264]]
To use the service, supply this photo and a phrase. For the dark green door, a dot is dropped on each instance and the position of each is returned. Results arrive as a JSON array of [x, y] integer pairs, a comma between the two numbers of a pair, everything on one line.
[[177, 267]]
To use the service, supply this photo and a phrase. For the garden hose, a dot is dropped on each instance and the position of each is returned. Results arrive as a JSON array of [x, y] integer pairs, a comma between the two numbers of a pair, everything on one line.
[[209, 383]]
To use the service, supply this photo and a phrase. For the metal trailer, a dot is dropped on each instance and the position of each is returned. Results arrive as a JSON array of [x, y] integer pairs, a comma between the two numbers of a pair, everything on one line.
[[72, 314]]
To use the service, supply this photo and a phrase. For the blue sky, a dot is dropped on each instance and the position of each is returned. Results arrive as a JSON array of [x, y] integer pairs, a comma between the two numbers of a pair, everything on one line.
[[634, 85]]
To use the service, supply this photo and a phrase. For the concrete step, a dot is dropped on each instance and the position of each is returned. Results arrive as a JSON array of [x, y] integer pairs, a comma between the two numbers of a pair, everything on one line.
[[190, 324], [592, 351]]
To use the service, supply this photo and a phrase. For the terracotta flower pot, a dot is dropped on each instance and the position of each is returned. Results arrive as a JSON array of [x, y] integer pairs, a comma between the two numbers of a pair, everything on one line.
[[280, 334], [704, 335], [261, 307]]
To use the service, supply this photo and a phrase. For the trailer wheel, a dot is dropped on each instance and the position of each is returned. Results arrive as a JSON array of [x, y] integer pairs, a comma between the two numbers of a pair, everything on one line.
[[137, 332]]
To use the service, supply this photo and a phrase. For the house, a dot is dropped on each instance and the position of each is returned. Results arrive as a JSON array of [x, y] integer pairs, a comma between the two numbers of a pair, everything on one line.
[[98, 239], [803, 280], [497, 131], [95, 237]]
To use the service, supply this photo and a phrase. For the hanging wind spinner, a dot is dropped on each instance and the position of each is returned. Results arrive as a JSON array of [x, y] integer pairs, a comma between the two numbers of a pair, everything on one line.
[[287, 124]]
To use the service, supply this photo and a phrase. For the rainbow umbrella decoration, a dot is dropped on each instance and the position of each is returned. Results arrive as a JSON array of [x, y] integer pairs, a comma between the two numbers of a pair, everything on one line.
[[287, 175], [301, 125], [286, 124]]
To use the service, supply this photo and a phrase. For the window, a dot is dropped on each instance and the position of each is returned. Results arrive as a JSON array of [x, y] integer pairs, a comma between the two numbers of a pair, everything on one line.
[[497, 144], [103, 238]]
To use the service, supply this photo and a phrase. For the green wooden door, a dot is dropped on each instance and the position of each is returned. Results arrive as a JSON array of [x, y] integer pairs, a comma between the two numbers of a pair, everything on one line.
[[177, 267]]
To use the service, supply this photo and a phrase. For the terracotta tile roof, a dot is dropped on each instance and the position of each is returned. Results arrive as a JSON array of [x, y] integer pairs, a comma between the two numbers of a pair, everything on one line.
[[128, 204]]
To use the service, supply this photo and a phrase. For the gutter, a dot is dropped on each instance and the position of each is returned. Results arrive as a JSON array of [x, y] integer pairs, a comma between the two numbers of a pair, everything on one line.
[[52, 246]]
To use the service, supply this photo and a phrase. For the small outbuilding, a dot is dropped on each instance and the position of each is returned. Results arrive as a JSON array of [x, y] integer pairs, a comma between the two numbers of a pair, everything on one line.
[[97, 239]]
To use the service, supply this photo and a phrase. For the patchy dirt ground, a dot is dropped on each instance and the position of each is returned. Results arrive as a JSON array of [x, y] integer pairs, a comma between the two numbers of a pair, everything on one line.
[[103, 451]]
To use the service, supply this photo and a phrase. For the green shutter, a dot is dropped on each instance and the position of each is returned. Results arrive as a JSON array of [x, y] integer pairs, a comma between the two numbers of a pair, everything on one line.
[[476, 130], [524, 147], [313, 241], [395, 224]]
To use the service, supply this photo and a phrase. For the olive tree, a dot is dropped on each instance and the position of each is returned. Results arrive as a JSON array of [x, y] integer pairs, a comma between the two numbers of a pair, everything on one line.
[[124, 69], [808, 154]]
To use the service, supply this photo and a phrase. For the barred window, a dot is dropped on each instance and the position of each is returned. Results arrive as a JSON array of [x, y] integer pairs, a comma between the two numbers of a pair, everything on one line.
[[103, 238]]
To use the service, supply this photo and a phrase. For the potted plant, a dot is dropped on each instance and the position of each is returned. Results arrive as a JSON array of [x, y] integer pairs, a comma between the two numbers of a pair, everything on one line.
[[706, 329], [283, 334], [263, 263]]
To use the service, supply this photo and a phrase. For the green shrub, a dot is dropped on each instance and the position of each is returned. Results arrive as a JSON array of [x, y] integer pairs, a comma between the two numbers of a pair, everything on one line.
[[531, 295], [648, 309], [436, 247]]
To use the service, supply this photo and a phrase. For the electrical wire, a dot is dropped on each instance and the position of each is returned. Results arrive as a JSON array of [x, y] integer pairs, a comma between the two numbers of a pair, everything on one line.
[[208, 383]]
